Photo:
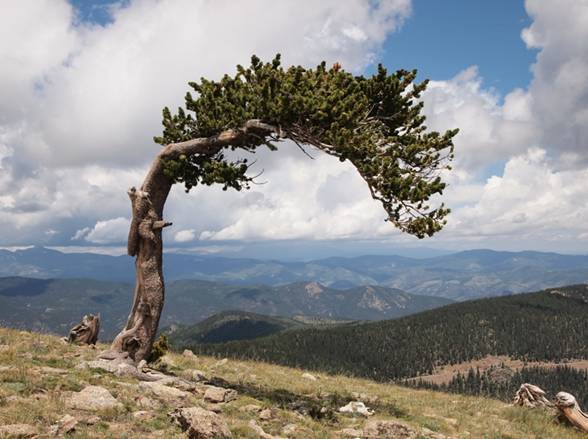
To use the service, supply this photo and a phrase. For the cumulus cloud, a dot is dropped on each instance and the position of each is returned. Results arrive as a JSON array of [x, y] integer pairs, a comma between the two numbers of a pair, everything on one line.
[[81, 103], [110, 231]]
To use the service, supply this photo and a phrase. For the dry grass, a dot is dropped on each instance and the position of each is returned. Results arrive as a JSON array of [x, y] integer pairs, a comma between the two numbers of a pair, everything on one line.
[[30, 396]]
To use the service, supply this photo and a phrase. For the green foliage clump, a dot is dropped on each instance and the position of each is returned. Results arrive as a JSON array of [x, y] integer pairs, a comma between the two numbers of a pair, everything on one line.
[[374, 122], [159, 349]]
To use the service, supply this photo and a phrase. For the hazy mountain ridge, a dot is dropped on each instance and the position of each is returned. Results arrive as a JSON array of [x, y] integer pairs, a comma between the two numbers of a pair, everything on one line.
[[57, 304], [460, 276]]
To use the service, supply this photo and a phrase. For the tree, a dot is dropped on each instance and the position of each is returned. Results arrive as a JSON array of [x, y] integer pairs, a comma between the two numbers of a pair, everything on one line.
[[374, 122]]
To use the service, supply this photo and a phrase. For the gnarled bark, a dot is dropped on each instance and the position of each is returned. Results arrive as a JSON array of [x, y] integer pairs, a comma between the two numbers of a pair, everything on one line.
[[85, 332], [530, 395], [145, 239]]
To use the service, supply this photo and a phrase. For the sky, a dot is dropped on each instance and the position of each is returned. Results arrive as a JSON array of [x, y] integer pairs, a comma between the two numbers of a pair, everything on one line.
[[83, 84]]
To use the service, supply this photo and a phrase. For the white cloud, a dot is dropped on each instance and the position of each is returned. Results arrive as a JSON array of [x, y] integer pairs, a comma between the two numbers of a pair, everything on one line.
[[81, 103], [185, 235], [110, 231]]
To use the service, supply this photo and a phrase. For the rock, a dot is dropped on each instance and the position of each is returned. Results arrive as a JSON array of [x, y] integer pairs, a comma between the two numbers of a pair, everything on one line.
[[147, 403], [91, 420], [266, 415], [219, 394], [65, 425], [250, 408], [308, 376], [221, 362], [351, 432], [93, 398], [53, 370], [142, 415], [4, 347], [188, 353], [259, 431], [5, 368], [389, 430], [290, 429], [194, 375], [356, 407], [201, 424], [18, 431], [163, 391]]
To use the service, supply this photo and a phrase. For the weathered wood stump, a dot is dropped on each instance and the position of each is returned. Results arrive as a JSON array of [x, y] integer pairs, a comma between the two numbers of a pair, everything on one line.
[[86, 332], [568, 407], [529, 395]]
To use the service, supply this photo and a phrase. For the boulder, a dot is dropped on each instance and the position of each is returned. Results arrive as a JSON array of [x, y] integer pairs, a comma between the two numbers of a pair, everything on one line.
[[199, 423], [356, 408], [388, 430], [162, 391], [308, 376], [18, 431], [65, 425], [188, 353], [219, 394], [93, 398], [259, 431]]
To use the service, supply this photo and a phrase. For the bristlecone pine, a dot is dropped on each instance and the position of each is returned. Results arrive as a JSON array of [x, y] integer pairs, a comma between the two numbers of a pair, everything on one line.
[[374, 123]]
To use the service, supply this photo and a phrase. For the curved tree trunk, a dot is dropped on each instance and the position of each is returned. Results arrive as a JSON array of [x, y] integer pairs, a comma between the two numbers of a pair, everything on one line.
[[145, 241]]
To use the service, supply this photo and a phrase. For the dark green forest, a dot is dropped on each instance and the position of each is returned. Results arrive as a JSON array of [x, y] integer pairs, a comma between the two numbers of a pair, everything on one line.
[[502, 382], [550, 325]]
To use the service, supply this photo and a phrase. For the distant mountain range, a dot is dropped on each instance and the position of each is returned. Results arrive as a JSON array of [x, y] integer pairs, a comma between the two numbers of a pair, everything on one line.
[[459, 276], [55, 305]]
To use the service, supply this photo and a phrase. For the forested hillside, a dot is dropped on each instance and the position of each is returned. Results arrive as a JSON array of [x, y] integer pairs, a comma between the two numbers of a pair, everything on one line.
[[502, 382], [547, 325]]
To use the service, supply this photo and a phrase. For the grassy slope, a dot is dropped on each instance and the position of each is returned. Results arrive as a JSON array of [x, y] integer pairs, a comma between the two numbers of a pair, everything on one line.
[[28, 396]]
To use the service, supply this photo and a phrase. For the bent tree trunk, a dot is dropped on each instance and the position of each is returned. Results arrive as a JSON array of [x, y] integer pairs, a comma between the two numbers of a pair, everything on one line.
[[145, 241]]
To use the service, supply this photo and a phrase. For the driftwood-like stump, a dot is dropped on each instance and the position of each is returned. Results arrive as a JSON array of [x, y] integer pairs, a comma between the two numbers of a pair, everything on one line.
[[529, 395], [86, 332], [568, 407]]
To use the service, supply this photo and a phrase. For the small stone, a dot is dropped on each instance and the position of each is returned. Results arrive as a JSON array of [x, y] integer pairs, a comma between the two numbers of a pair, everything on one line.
[[259, 431], [194, 375], [188, 353], [356, 407], [290, 429], [250, 408], [53, 370], [388, 430], [221, 362], [201, 424], [18, 431], [351, 432], [163, 391], [93, 398], [219, 394], [65, 425], [91, 420], [146, 403], [142, 415], [266, 415], [308, 376], [4, 347]]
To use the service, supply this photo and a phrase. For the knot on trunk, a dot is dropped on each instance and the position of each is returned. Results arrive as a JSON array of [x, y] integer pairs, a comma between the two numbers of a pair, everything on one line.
[[145, 220]]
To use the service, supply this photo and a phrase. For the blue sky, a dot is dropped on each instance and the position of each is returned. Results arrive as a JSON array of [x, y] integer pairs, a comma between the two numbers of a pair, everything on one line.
[[83, 84], [441, 38]]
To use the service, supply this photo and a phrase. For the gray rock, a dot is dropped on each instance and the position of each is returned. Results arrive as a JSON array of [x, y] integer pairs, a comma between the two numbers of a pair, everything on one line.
[[201, 424], [18, 431], [219, 394], [93, 398], [65, 425], [162, 391]]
